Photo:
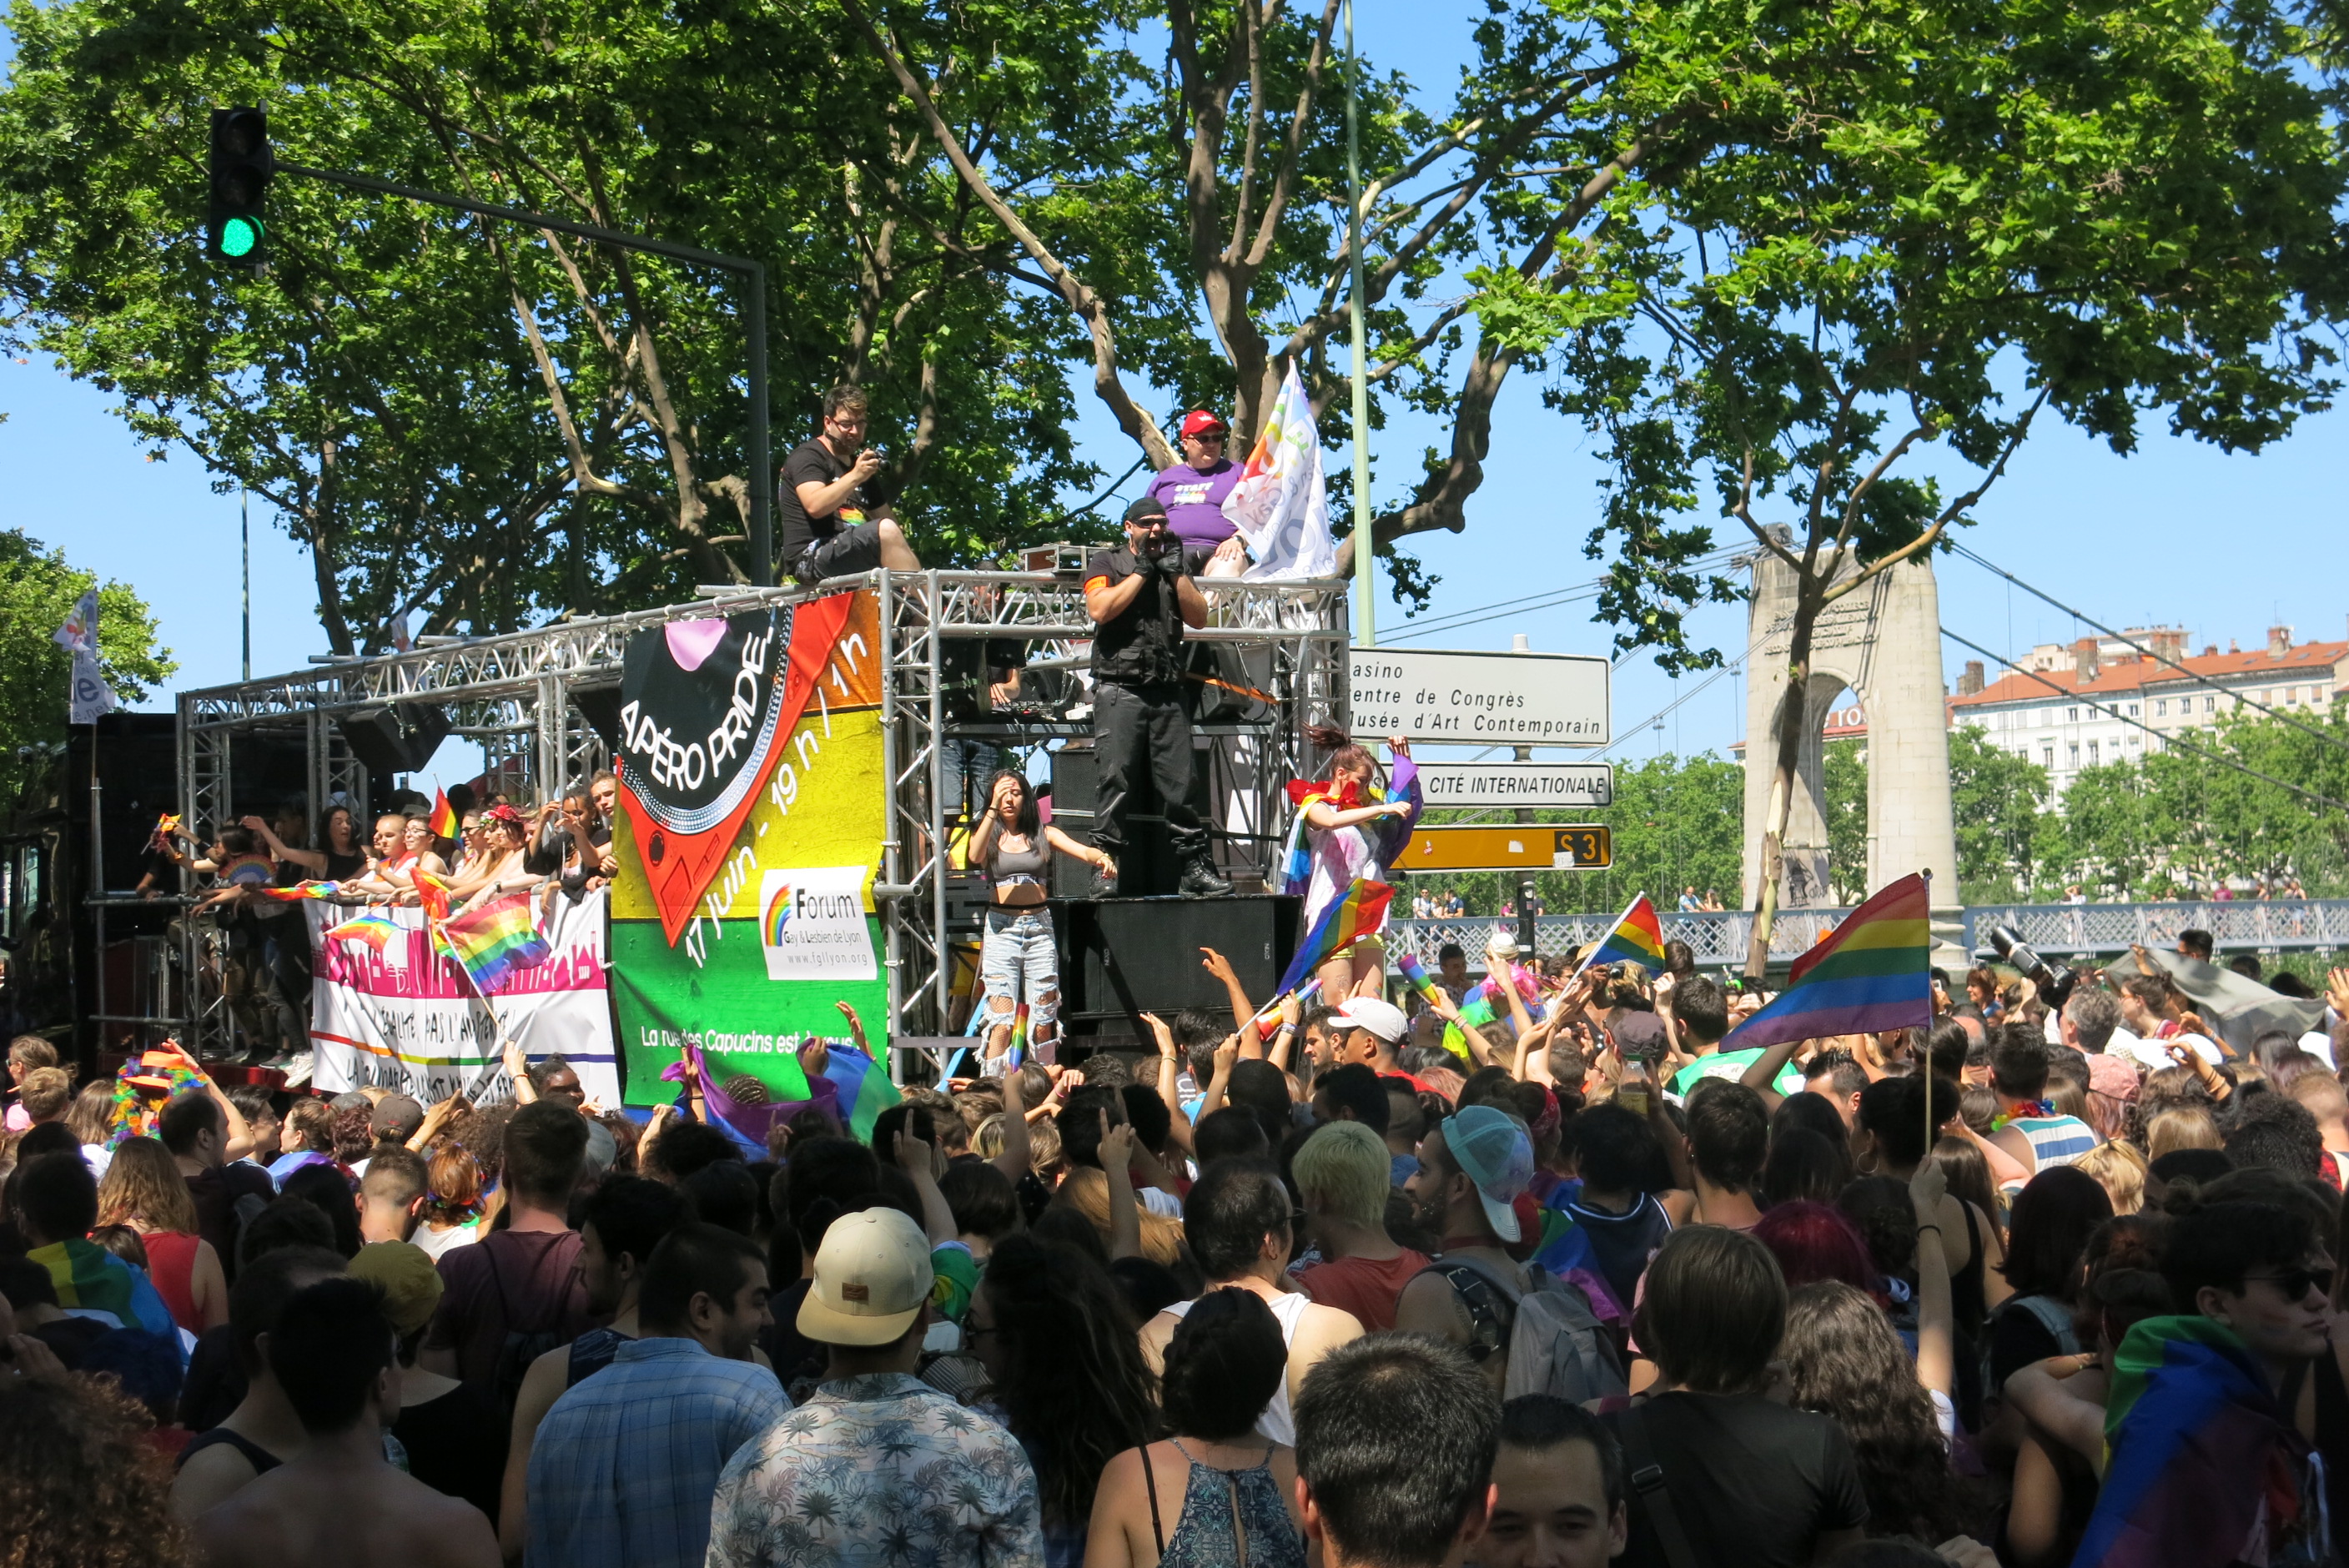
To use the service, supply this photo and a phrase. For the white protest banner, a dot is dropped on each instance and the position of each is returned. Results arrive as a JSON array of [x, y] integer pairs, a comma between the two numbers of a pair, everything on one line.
[[407, 1018], [1279, 504]]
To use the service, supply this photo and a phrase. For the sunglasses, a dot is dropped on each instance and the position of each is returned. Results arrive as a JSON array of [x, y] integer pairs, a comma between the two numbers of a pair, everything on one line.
[[2296, 1283]]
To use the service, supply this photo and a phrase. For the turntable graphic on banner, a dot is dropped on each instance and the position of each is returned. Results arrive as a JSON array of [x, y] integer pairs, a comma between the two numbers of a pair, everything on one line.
[[752, 809]]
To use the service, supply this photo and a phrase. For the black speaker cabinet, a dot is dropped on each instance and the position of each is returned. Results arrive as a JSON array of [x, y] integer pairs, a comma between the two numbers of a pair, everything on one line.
[[1148, 866], [396, 738], [1125, 956]]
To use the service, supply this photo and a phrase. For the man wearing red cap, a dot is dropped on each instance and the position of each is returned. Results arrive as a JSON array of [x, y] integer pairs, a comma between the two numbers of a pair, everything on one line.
[[1193, 492]]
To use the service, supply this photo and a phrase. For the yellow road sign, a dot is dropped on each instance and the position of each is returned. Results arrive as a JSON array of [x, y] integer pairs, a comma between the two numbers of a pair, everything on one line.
[[1519, 846]]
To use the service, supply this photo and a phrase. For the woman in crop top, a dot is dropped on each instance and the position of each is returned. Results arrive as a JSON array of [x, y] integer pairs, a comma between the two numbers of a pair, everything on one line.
[[1017, 959]]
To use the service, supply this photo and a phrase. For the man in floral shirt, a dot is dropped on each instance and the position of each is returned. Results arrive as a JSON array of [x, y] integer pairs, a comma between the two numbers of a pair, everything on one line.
[[876, 1469]]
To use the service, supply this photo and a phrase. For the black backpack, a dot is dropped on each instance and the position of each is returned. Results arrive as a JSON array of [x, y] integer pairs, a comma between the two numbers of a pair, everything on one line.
[[518, 1348]]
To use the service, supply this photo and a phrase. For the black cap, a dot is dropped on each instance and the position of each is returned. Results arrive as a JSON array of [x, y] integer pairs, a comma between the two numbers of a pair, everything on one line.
[[1148, 507]]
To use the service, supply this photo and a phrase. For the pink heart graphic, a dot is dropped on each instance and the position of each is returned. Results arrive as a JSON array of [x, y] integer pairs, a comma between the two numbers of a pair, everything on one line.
[[690, 641]]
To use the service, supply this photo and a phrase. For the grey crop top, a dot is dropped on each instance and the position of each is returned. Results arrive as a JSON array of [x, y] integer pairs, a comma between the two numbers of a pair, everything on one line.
[[1019, 865]]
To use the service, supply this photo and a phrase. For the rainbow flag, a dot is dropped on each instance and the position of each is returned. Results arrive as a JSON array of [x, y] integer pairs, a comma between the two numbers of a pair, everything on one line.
[[87, 1275], [2199, 1457], [864, 1085], [1636, 937], [431, 893], [1386, 837], [299, 891], [1415, 974], [375, 928], [1016, 1051], [755, 1119], [497, 941], [443, 821], [1362, 912], [1872, 972]]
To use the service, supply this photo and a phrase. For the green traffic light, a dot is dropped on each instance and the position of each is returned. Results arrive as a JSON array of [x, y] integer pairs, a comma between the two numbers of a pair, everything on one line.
[[239, 237]]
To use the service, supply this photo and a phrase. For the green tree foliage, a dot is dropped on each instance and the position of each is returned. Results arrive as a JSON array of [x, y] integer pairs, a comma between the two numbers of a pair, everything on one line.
[[1844, 778], [37, 591], [2004, 828], [1678, 823], [2175, 824], [1858, 232], [483, 425]]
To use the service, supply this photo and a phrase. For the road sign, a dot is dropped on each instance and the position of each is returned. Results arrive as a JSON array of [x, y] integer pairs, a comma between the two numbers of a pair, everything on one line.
[[1480, 698], [1518, 846], [1542, 784]]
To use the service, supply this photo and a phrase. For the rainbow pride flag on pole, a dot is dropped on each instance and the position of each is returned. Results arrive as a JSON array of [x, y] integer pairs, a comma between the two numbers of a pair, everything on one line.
[[442, 824], [1872, 973], [1362, 912], [375, 928], [1636, 937], [497, 941]]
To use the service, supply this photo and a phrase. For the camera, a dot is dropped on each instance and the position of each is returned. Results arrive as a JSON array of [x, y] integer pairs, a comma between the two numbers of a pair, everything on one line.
[[2054, 981]]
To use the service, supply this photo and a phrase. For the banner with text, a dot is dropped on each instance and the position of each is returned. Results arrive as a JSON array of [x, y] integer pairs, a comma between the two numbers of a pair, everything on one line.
[[753, 804], [395, 1013]]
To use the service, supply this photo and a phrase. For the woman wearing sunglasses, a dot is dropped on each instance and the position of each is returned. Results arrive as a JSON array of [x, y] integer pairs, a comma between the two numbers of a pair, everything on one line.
[[1193, 492]]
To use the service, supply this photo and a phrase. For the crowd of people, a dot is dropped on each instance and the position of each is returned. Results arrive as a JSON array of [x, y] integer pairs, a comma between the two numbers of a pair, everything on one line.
[[1570, 1280], [258, 950]]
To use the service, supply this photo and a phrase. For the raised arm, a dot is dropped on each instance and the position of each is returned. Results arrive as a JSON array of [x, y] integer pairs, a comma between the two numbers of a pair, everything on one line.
[[1937, 1358], [1125, 1209], [308, 860], [1216, 964], [1013, 1158], [1762, 1078], [1178, 1126]]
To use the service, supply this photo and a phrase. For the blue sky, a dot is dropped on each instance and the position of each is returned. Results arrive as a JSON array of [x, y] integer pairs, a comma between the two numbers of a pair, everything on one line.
[[2225, 545]]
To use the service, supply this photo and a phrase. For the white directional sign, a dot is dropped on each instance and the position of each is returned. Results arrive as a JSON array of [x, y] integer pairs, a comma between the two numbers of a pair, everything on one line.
[[1517, 783], [1481, 700]]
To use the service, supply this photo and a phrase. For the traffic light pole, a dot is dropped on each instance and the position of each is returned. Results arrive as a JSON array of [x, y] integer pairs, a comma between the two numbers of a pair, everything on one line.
[[754, 317]]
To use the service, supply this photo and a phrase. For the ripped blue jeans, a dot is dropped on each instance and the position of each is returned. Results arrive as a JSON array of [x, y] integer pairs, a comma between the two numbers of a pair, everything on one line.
[[1018, 962]]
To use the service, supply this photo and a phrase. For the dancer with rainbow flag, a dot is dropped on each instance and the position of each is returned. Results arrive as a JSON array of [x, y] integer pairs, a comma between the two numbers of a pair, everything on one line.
[[1348, 829]]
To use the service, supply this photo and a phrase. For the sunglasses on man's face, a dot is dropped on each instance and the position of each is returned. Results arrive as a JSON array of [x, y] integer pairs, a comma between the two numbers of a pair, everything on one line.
[[2295, 1283]]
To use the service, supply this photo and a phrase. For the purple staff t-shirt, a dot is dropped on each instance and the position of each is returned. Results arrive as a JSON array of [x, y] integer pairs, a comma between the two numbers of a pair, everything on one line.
[[1194, 500]]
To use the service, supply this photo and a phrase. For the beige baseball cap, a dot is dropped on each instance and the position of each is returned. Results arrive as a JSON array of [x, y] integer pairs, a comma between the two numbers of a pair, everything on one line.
[[872, 1275]]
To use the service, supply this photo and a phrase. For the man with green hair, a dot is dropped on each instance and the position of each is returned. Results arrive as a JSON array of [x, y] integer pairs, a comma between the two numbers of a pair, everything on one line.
[[1342, 1175]]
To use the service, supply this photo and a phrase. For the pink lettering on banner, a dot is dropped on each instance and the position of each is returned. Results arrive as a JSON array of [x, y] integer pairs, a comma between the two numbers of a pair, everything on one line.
[[426, 976]]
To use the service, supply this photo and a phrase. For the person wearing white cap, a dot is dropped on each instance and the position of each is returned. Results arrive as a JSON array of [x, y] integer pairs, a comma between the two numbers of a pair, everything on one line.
[[877, 1466], [1368, 1029], [1471, 1171]]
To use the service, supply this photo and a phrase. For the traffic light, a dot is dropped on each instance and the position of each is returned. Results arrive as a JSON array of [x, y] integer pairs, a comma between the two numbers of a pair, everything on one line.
[[240, 166]]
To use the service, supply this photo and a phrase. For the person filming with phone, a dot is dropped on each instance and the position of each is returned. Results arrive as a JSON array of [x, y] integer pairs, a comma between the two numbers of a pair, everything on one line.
[[830, 525]]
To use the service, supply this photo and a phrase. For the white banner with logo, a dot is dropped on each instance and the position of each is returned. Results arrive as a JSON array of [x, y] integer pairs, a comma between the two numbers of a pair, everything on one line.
[[407, 1018]]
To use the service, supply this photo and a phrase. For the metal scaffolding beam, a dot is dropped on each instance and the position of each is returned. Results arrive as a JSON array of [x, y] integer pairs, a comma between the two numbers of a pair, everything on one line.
[[516, 695]]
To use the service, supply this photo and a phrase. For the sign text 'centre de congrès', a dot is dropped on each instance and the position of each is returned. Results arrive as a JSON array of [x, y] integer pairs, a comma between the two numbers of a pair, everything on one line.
[[1480, 698]]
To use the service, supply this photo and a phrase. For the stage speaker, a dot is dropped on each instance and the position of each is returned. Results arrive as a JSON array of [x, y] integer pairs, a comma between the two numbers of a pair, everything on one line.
[[399, 737], [1149, 866], [1127, 956]]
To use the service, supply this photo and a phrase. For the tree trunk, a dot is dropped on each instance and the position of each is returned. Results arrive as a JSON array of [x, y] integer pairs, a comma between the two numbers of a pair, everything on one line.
[[1793, 715]]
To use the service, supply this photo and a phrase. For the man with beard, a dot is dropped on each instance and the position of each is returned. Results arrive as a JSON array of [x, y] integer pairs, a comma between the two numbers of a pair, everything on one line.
[[1471, 1170]]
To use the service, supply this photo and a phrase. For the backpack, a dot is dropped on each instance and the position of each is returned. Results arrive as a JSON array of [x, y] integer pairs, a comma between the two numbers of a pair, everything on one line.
[[2052, 1315], [518, 1349], [1555, 1343]]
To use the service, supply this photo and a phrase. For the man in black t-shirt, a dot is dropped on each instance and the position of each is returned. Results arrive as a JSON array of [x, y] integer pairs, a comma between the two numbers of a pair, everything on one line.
[[1140, 598], [830, 526]]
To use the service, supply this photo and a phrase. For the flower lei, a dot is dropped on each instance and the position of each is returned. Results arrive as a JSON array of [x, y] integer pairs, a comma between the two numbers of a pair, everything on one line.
[[133, 1113], [2029, 1108]]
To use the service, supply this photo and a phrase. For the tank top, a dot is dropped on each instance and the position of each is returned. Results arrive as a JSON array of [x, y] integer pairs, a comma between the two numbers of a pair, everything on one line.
[[1242, 1523], [2056, 1139], [172, 1264], [1017, 865], [262, 1460], [1277, 1423]]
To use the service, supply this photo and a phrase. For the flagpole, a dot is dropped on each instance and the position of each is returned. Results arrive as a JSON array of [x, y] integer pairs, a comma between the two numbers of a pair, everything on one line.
[[1366, 626]]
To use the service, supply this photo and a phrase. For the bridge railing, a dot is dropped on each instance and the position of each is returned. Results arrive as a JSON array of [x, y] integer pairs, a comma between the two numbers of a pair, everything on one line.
[[2057, 929]]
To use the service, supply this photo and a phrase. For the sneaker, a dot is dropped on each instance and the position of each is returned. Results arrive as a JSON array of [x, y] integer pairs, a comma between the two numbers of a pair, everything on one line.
[[1104, 883], [1200, 880]]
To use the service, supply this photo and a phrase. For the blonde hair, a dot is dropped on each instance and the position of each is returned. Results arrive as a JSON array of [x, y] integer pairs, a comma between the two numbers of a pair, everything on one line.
[[2179, 1126], [143, 1188], [47, 1091], [1086, 1189], [1345, 1169], [2119, 1169]]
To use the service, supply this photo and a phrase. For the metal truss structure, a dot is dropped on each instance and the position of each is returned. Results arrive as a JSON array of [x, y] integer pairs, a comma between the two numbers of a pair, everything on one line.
[[518, 695]]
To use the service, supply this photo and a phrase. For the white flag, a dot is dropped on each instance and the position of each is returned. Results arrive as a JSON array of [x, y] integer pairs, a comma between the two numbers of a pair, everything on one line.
[[91, 696], [80, 632], [1280, 505]]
